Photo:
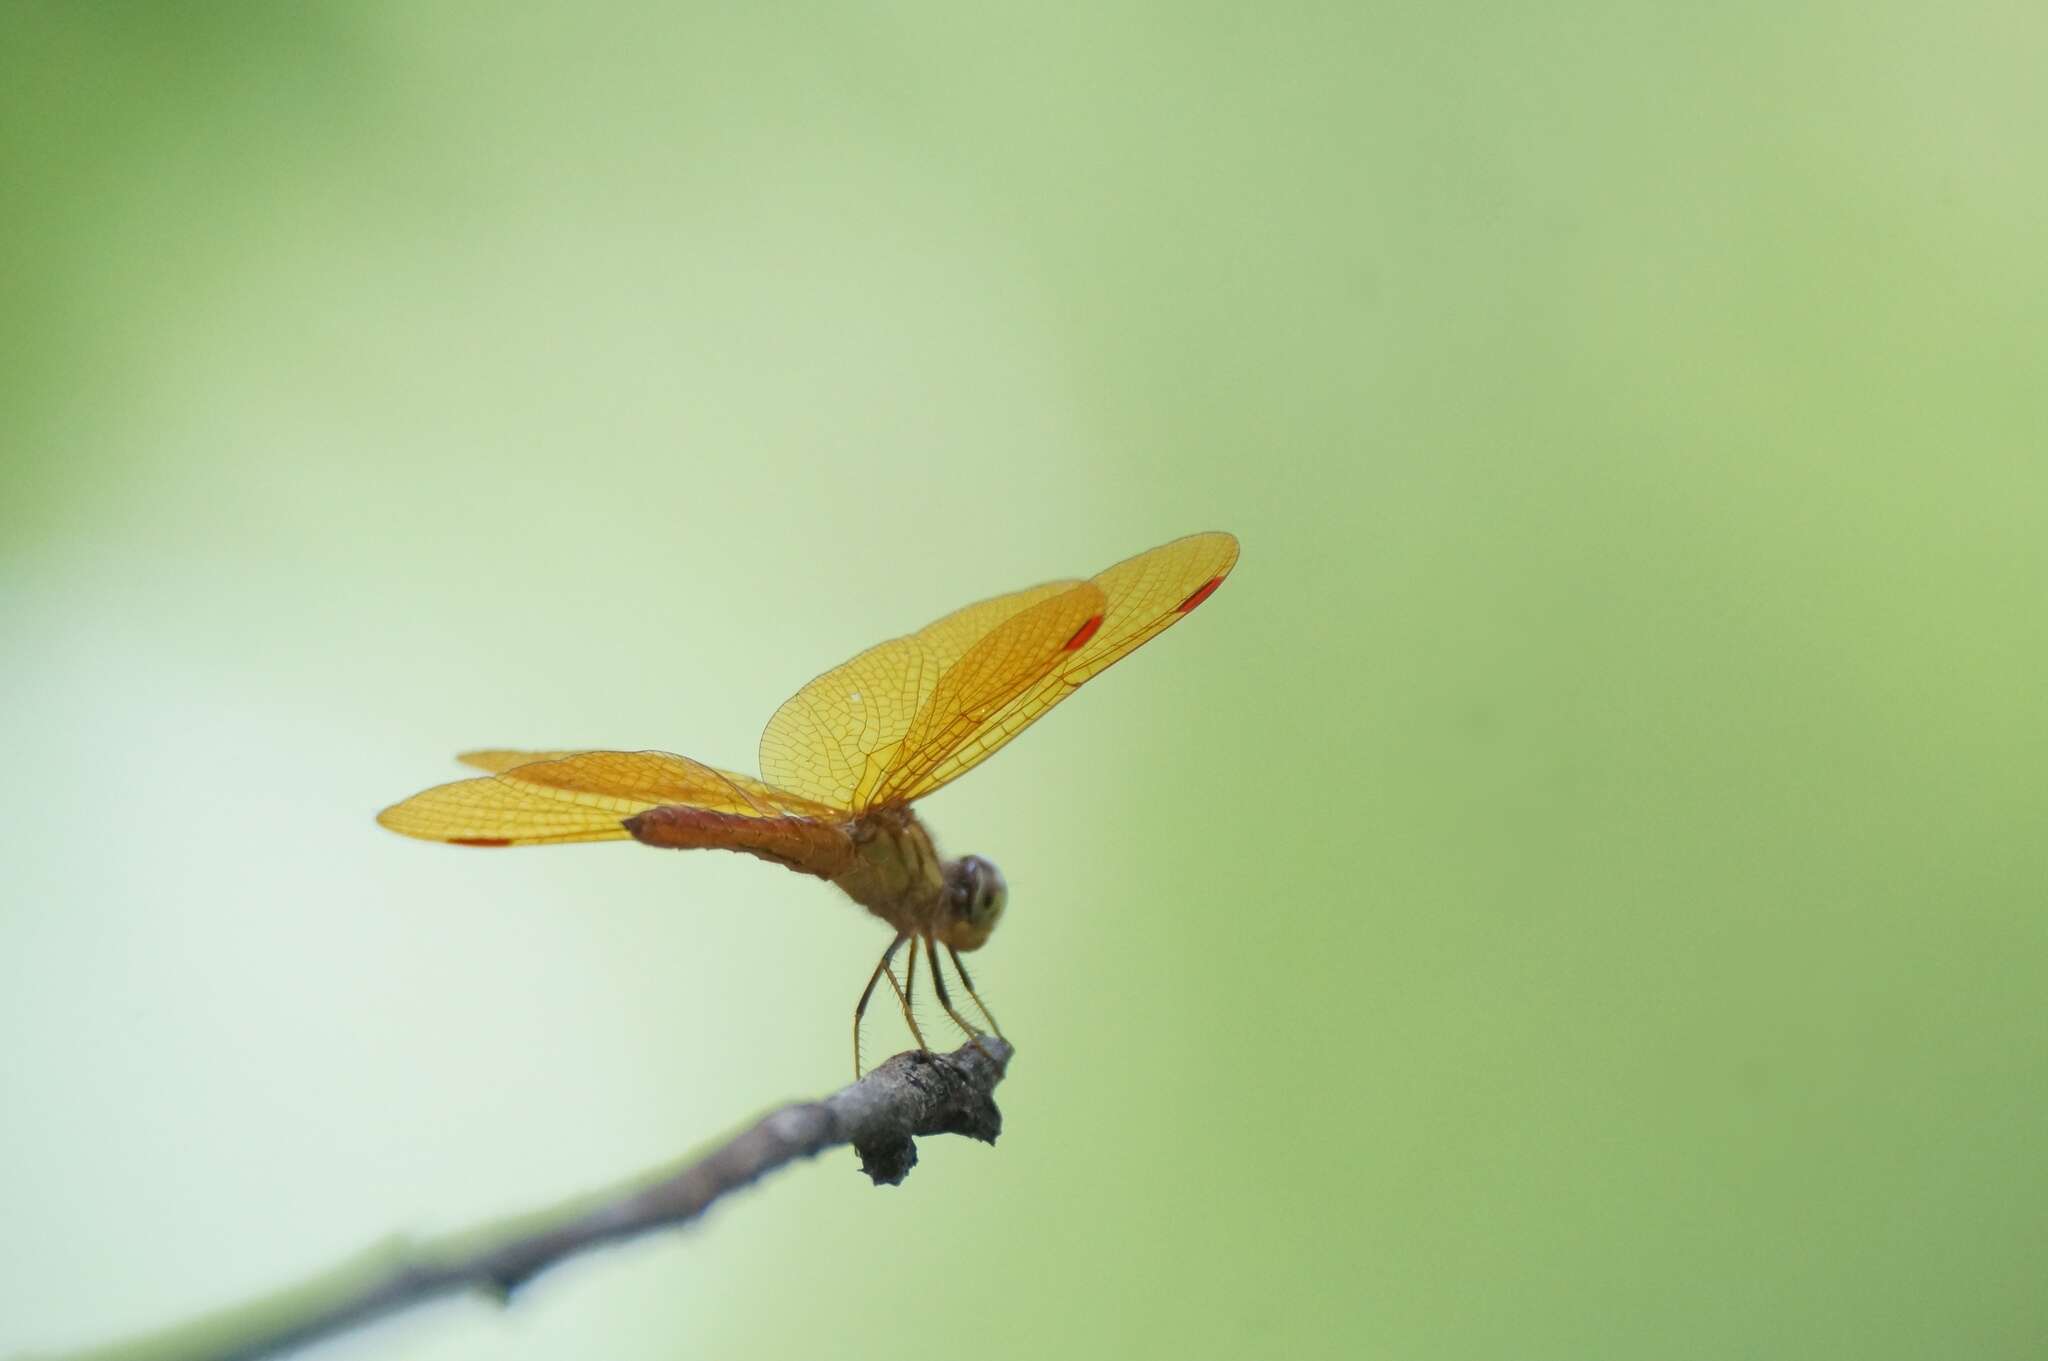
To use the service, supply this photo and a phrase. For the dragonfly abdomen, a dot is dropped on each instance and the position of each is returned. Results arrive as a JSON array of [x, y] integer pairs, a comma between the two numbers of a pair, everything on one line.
[[802, 844]]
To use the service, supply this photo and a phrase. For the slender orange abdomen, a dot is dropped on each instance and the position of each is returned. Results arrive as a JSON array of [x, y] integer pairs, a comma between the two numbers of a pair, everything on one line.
[[804, 845]]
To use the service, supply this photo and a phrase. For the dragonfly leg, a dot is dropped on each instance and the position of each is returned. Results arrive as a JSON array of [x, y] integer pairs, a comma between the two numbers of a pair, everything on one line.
[[860, 1008], [905, 991], [939, 986], [968, 984]]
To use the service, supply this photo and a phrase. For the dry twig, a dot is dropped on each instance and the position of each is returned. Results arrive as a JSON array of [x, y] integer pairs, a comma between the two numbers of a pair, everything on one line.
[[912, 1094]]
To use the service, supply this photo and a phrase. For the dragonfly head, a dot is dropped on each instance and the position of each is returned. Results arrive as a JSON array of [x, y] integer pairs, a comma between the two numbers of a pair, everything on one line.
[[975, 891]]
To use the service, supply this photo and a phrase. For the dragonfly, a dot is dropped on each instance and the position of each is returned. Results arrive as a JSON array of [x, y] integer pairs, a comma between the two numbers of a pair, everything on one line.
[[845, 759]]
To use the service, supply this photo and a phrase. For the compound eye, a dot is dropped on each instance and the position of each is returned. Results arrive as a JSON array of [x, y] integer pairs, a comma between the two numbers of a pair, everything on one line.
[[989, 890], [975, 891]]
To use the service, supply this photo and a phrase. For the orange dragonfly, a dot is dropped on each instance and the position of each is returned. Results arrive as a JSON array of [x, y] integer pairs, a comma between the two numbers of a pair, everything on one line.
[[844, 759]]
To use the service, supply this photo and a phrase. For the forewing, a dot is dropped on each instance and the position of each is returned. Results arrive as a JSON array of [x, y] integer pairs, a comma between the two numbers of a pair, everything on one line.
[[631, 774], [498, 760], [838, 734], [1142, 596], [580, 797], [1006, 663]]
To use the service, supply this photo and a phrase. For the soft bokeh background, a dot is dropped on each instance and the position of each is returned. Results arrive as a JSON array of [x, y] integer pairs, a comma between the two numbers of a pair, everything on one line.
[[1577, 892]]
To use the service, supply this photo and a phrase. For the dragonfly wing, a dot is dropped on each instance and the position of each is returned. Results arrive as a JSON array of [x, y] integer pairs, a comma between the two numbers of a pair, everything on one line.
[[498, 761], [833, 740], [586, 796], [492, 812], [678, 779], [1141, 597]]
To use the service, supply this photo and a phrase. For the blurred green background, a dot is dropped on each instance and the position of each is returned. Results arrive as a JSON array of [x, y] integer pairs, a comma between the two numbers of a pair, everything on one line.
[[1577, 892]]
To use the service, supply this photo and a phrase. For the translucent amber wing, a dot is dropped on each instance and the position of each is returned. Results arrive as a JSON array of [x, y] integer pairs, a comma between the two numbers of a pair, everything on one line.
[[659, 777], [497, 761], [950, 638], [655, 774], [1008, 662], [584, 797], [495, 812], [838, 734], [1150, 593], [1142, 596]]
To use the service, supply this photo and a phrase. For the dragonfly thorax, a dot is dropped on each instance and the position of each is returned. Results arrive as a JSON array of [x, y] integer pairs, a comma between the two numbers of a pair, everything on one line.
[[898, 875]]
